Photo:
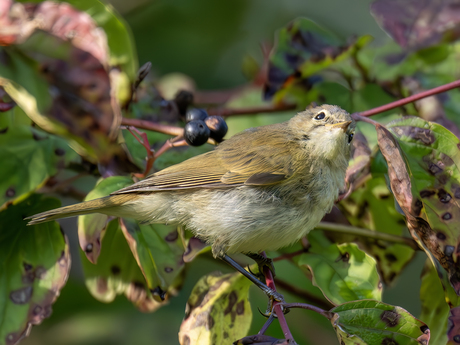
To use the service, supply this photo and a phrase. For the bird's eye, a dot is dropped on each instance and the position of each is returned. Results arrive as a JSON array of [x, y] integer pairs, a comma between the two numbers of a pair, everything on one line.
[[350, 137], [320, 116]]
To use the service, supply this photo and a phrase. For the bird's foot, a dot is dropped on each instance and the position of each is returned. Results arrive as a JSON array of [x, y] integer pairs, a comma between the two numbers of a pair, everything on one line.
[[262, 262]]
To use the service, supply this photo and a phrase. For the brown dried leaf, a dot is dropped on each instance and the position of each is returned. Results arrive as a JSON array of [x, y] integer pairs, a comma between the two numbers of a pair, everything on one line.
[[400, 181]]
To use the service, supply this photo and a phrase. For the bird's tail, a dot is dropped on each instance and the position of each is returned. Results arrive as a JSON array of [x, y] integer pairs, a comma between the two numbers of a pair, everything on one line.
[[106, 205]]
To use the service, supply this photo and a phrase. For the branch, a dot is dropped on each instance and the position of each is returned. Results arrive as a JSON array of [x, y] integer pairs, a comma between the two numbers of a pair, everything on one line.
[[277, 306], [353, 230], [152, 126], [410, 99], [325, 313], [303, 294], [253, 110]]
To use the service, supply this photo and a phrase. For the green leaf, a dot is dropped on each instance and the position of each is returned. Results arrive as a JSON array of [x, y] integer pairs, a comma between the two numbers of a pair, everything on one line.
[[372, 207], [341, 271], [303, 49], [218, 310], [34, 265], [435, 310], [91, 227], [373, 322], [29, 157], [117, 272], [158, 251]]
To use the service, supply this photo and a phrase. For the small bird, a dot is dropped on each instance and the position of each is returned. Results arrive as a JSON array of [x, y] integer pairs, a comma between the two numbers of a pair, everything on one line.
[[262, 189]]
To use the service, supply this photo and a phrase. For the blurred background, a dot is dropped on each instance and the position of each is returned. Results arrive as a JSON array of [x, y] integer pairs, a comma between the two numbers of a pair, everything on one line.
[[208, 41]]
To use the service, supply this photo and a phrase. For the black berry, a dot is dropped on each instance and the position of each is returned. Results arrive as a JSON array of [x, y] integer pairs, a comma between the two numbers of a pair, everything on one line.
[[183, 100], [196, 133], [218, 127], [196, 114]]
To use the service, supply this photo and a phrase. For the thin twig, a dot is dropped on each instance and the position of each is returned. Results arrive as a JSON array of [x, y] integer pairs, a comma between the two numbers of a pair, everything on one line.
[[252, 110], [152, 126], [303, 294], [353, 230], [410, 99], [325, 313], [358, 117]]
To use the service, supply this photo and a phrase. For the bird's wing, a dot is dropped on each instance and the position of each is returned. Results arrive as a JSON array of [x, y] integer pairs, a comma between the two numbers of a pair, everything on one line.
[[257, 157]]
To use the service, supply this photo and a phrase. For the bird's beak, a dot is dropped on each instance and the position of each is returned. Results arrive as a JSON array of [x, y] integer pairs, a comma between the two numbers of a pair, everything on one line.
[[343, 125]]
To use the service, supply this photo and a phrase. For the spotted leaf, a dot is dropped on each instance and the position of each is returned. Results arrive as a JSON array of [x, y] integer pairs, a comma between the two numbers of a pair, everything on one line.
[[29, 157], [158, 251], [91, 227], [117, 272], [303, 49], [341, 271], [67, 55], [423, 160], [34, 265], [218, 310], [374, 322]]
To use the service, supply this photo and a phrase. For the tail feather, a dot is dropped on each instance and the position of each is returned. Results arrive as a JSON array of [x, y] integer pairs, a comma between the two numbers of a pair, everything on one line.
[[102, 205]]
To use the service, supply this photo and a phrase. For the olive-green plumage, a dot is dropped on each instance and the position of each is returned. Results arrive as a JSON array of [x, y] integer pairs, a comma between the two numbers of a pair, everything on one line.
[[262, 189]]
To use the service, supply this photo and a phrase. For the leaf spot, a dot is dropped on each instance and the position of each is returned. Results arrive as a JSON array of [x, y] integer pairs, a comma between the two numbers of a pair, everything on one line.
[[240, 308], [3, 130], [449, 250], [443, 196], [345, 257], [10, 192], [27, 267], [391, 318], [389, 341], [391, 257], [168, 269], [22, 295], [89, 248], [426, 193], [115, 269], [446, 216], [59, 152], [457, 338], [441, 236]]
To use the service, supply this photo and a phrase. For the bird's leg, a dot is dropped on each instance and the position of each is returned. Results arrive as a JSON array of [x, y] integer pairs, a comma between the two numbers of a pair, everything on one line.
[[272, 294], [262, 262]]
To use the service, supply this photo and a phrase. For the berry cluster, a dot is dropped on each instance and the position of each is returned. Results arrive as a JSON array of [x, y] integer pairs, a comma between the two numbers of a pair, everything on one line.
[[200, 127]]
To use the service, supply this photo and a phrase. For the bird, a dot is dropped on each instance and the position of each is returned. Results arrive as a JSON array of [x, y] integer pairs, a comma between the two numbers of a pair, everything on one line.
[[262, 189]]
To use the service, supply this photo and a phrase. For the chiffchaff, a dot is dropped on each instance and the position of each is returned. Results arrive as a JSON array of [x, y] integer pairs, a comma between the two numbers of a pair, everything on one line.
[[262, 189]]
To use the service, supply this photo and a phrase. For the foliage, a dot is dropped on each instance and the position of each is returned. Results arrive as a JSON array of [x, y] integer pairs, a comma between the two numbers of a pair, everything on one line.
[[70, 69]]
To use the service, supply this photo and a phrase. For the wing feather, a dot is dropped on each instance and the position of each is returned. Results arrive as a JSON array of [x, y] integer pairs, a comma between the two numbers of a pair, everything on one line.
[[258, 156]]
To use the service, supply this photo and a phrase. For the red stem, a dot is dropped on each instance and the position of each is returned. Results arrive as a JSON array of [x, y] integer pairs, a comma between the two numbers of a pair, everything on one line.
[[277, 306], [410, 99], [152, 126]]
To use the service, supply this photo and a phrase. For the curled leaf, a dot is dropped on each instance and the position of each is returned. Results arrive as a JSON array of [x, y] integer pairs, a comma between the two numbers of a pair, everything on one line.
[[342, 272], [117, 272]]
